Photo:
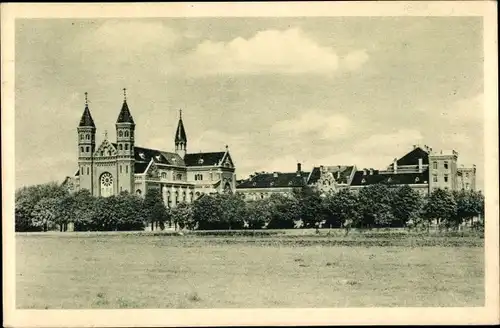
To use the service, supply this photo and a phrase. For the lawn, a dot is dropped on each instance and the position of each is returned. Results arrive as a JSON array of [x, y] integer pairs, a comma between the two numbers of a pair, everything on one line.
[[70, 271]]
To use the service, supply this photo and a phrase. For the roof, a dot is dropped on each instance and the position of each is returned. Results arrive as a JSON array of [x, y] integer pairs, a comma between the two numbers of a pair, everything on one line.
[[125, 116], [275, 180], [391, 179], [86, 119], [204, 159], [412, 157], [77, 174], [345, 173], [180, 134], [144, 155]]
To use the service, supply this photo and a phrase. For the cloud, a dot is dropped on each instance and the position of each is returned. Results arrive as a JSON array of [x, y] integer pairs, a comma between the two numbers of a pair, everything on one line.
[[124, 41], [355, 59], [320, 124], [271, 51]]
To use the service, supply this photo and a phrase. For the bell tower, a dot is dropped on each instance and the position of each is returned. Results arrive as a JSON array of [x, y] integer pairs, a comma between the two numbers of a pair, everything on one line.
[[86, 146], [180, 138], [125, 135]]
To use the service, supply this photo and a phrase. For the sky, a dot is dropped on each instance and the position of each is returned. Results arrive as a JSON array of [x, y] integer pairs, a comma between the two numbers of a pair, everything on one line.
[[319, 91]]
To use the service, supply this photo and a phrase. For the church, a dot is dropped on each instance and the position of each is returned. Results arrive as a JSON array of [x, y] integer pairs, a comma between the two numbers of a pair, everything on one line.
[[115, 167]]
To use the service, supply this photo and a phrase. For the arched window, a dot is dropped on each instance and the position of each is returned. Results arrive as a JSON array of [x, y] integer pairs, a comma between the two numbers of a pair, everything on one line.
[[106, 183], [82, 137], [178, 176], [120, 169], [82, 149], [163, 175], [88, 149], [138, 192], [126, 146], [120, 133], [88, 170], [126, 133], [120, 146], [88, 137], [126, 168]]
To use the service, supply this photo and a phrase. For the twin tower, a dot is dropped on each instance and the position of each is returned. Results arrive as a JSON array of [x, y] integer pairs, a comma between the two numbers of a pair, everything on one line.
[[116, 161]]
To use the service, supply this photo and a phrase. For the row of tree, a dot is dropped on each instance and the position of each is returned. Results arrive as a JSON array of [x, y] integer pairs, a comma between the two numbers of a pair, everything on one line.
[[50, 206]]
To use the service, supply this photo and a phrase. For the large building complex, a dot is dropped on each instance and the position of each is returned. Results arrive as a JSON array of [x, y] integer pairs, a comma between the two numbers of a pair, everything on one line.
[[115, 167], [422, 169]]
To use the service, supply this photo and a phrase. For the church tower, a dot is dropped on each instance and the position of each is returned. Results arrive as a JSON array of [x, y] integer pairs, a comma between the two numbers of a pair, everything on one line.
[[86, 147], [180, 138], [125, 130]]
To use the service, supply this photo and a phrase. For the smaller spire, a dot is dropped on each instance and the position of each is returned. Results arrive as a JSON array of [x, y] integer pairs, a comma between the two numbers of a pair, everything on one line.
[[86, 120]]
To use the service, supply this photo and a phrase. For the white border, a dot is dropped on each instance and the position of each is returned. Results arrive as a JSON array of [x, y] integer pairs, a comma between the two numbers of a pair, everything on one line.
[[244, 317]]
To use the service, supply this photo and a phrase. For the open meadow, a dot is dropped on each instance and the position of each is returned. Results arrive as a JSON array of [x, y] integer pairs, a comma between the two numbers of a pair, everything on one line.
[[206, 270]]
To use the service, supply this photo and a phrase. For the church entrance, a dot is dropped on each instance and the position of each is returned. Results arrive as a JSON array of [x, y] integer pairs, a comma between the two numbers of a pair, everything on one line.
[[106, 182]]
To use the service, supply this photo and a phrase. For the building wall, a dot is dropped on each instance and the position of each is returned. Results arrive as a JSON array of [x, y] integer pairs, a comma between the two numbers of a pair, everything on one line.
[[443, 171]]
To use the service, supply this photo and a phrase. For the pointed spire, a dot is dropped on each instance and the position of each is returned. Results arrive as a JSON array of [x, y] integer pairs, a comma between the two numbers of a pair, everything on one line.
[[180, 134], [86, 119], [125, 116]]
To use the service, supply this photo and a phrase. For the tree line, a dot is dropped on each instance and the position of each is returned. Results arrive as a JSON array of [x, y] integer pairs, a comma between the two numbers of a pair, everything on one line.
[[50, 206]]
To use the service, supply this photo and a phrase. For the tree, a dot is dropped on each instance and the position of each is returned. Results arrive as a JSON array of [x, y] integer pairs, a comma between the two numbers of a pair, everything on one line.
[[84, 210], [310, 206], [406, 206], [375, 202], [154, 210], [258, 213], [441, 206], [26, 198], [44, 213], [470, 204], [208, 213], [342, 209], [284, 212], [233, 210], [182, 216], [129, 212]]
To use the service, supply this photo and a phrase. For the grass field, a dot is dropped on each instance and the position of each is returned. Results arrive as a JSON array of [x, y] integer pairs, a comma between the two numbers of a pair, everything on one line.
[[90, 270]]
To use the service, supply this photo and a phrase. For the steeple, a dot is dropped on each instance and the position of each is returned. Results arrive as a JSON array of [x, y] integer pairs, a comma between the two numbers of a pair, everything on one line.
[[125, 116], [180, 138], [86, 119]]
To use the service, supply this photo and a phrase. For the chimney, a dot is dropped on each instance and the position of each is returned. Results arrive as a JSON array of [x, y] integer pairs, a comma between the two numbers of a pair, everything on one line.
[[395, 165], [299, 169], [338, 175], [275, 174], [371, 171], [420, 165], [364, 171]]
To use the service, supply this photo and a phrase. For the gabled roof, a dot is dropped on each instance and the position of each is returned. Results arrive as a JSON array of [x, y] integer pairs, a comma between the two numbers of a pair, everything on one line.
[[391, 179], [144, 155], [180, 134], [345, 173], [412, 157], [86, 120], [77, 174], [275, 180], [204, 159], [125, 116]]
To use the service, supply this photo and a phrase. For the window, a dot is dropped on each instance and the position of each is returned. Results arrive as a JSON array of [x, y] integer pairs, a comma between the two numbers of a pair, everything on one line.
[[138, 192], [81, 148], [178, 176], [363, 181], [120, 146], [82, 137], [120, 169], [198, 177], [467, 186], [126, 146], [88, 170], [163, 175], [445, 165], [126, 133], [81, 170], [435, 165], [200, 161], [88, 136], [466, 175], [417, 179], [435, 178], [88, 149], [120, 133], [446, 178], [126, 168]]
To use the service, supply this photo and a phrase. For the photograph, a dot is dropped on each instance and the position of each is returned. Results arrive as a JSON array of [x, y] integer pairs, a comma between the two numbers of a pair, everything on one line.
[[180, 160]]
